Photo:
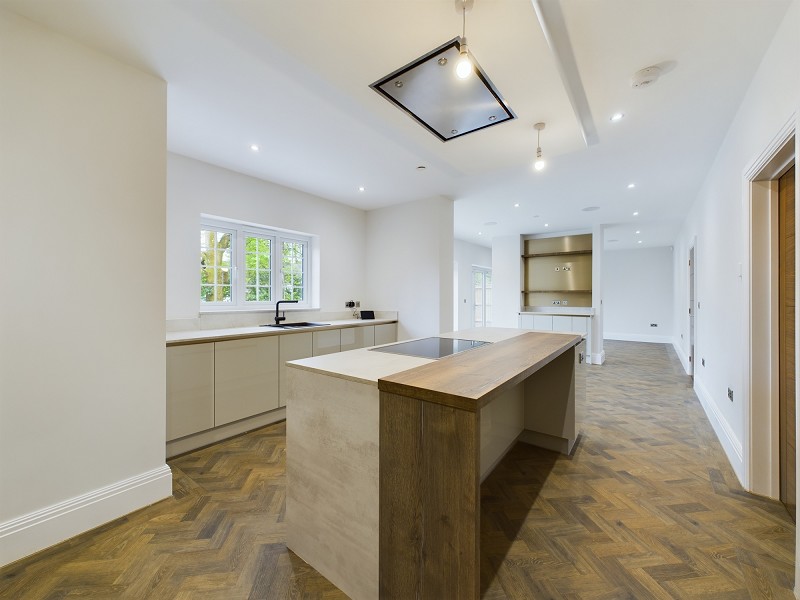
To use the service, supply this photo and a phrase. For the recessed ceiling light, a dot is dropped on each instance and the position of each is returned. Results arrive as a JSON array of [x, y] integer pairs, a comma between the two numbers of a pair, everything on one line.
[[516, 205], [480, 233], [421, 168], [590, 208], [361, 188], [639, 242], [636, 213], [631, 186], [547, 224], [638, 232], [254, 147], [617, 117]]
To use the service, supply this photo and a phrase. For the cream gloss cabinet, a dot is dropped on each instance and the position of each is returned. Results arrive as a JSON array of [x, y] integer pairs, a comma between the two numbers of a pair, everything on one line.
[[190, 389], [327, 341], [358, 337], [293, 346], [385, 333], [245, 378]]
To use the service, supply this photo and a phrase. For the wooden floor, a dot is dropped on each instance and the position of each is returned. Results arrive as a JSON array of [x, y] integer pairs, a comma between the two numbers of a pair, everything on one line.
[[647, 507]]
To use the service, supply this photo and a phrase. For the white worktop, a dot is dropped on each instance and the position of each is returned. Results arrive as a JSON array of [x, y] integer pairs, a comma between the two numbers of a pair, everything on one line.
[[367, 366], [567, 311], [175, 338]]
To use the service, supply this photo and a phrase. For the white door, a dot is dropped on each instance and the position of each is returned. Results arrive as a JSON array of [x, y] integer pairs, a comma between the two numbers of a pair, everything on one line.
[[481, 297]]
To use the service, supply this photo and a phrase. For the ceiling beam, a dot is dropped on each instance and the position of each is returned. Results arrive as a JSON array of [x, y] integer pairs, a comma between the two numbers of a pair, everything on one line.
[[554, 28]]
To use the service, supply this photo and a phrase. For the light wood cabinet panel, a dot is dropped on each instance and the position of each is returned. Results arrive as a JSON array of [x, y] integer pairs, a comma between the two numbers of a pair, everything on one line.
[[357, 337], [385, 333], [190, 389], [292, 347], [245, 378], [328, 341]]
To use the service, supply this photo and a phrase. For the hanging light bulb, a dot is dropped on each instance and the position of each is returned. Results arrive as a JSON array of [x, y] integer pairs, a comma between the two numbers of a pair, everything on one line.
[[464, 64], [540, 163]]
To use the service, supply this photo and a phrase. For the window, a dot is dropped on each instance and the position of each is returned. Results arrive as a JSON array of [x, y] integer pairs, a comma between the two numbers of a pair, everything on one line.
[[242, 265], [482, 297]]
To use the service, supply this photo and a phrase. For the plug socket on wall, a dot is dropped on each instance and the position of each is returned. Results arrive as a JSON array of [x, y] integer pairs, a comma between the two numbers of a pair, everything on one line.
[[730, 394]]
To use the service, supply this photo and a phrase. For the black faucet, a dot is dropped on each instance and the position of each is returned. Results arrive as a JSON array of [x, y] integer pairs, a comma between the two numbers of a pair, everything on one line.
[[278, 307]]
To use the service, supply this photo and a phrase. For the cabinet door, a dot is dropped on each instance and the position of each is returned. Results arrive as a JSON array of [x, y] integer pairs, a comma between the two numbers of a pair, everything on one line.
[[562, 323], [385, 333], [526, 321], [543, 322], [580, 324], [326, 342], [358, 337], [190, 389], [292, 347], [246, 378]]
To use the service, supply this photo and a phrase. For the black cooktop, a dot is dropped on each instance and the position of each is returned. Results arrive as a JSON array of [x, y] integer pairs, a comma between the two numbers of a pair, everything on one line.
[[432, 347]]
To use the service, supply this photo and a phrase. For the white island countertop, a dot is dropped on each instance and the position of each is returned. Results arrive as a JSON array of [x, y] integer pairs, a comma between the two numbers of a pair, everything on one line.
[[179, 338]]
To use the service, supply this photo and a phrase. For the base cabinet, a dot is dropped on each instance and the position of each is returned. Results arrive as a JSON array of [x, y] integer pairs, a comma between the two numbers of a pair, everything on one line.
[[245, 378], [358, 337], [385, 333], [327, 341], [292, 347], [190, 389]]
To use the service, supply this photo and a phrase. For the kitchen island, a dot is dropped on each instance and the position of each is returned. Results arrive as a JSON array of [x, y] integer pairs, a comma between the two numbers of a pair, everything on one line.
[[386, 452]]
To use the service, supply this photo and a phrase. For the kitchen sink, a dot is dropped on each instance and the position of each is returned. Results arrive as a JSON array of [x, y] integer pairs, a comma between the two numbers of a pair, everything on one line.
[[294, 325]]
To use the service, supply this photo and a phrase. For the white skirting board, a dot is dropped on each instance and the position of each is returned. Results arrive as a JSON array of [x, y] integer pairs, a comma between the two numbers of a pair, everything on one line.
[[639, 337], [43, 528], [730, 443]]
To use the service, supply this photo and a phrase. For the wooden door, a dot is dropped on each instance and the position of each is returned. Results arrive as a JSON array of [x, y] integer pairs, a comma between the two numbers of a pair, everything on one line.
[[786, 326]]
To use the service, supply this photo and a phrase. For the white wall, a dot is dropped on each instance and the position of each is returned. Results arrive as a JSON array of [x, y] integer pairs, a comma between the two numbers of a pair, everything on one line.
[[82, 201], [410, 265], [467, 255], [717, 221], [196, 187], [506, 280], [638, 291]]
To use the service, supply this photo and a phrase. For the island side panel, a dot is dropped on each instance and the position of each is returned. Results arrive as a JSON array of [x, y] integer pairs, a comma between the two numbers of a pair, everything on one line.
[[430, 495], [550, 402], [502, 420], [332, 461]]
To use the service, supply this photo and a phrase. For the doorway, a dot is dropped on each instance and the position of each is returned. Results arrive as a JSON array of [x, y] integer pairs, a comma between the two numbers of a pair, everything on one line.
[[481, 297], [786, 340], [691, 312]]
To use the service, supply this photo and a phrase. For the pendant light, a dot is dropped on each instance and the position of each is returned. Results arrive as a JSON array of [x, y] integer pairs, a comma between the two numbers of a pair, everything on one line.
[[539, 164], [464, 65]]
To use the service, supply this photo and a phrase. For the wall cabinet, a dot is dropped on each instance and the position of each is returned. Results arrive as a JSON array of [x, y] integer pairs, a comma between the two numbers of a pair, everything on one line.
[[190, 389], [245, 378], [292, 347]]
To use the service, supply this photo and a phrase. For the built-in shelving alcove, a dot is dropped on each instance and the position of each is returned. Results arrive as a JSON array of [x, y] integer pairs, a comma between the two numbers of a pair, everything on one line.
[[557, 271]]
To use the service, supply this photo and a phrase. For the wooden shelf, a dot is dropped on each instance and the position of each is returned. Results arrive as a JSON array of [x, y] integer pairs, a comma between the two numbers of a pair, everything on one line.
[[556, 253], [556, 291]]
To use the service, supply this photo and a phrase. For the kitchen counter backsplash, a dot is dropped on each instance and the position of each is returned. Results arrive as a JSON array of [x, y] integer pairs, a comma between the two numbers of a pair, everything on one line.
[[256, 318]]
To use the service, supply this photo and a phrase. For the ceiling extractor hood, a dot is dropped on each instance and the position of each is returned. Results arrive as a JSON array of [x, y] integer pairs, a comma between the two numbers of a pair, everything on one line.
[[446, 105]]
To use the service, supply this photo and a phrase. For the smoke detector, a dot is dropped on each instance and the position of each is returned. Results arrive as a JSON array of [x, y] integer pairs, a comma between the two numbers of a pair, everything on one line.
[[645, 77]]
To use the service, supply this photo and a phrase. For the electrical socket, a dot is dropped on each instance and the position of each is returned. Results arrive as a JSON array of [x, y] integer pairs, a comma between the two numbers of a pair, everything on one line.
[[564, 302], [653, 324], [730, 394], [556, 302], [349, 304], [703, 361], [358, 303]]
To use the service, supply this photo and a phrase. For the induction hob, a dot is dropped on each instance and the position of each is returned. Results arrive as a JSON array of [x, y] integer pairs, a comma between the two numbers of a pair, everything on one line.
[[432, 347]]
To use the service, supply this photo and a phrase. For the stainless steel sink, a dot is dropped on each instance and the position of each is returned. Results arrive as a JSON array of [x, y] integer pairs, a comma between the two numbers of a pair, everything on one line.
[[295, 325]]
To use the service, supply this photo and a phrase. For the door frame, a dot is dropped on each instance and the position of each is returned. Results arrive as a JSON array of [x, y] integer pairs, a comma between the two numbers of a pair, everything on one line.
[[761, 452]]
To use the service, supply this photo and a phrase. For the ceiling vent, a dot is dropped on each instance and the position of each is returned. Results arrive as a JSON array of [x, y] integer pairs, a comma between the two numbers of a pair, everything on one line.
[[645, 77]]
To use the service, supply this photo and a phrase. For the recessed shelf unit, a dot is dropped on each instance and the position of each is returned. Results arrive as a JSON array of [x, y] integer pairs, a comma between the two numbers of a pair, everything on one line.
[[557, 270]]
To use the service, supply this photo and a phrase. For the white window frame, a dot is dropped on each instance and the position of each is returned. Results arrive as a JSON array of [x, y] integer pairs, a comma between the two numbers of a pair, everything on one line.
[[484, 271], [277, 237]]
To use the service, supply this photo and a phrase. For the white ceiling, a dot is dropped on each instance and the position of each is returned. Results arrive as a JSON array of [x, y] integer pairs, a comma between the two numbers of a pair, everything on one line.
[[293, 77]]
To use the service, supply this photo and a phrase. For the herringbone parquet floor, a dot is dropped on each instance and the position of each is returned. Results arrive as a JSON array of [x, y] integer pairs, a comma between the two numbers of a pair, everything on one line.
[[647, 507]]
